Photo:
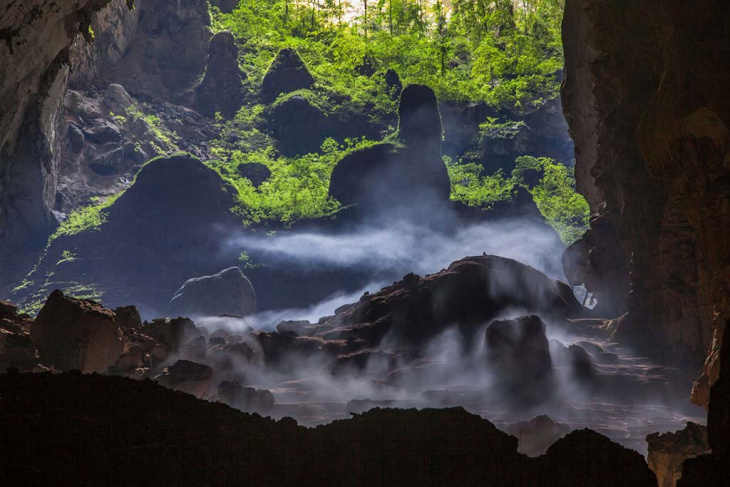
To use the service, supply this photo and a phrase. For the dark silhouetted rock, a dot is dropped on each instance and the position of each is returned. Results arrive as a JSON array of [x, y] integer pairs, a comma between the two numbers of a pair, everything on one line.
[[128, 317], [298, 125], [221, 90], [207, 438], [75, 138], [255, 172], [17, 350], [419, 121], [518, 354], [76, 334], [187, 376], [537, 434], [225, 6], [227, 293], [287, 73], [245, 398], [668, 451], [392, 81]]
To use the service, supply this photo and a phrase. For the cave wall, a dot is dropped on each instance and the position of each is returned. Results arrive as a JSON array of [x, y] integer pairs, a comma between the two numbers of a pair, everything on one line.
[[34, 57], [646, 99]]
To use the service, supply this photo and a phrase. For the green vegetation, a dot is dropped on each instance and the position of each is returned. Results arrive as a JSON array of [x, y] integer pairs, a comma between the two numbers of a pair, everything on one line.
[[505, 52], [551, 184], [297, 189], [86, 217]]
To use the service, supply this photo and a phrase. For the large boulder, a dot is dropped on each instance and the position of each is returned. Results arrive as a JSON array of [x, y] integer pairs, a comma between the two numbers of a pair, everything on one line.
[[298, 125], [287, 73], [166, 228], [668, 451], [518, 354], [228, 292], [221, 90], [76, 334]]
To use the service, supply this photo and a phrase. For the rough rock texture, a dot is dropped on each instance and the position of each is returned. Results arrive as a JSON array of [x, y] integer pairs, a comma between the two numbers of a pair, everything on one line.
[[537, 434], [411, 312], [165, 229], [221, 90], [714, 469], [168, 51], [668, 451], [287, 73], [187, 376], [190, 441], [76, 334], [34, 57], [519, 354], [228, 292], [646, 99], [16, 346]]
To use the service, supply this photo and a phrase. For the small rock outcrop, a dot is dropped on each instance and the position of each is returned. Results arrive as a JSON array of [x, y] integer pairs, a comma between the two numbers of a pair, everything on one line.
[[287, 73], [76, 334], [255, 172], [245, 398], [228, 292], [537, 434], [16, 346], [187, 376], [668, 451], [298, 125], [221, 90], [518, 353]]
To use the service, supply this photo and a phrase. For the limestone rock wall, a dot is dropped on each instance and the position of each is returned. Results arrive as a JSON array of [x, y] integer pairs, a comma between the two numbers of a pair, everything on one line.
[[646, 99]]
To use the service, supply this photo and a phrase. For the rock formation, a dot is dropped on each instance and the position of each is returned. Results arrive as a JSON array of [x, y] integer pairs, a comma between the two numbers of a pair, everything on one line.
[[74, 334], [170, 444], [156, 233], [187, 376], [519, 355], [287, 73], [384, 178], [537, 434], [228, 292], [221, 90], [298, 125], [16, 346], [668, 451], [645, 99], [255, 172]]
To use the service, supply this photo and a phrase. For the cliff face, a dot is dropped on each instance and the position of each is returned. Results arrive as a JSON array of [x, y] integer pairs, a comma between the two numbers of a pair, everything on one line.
[[646, 98], [34, 58]]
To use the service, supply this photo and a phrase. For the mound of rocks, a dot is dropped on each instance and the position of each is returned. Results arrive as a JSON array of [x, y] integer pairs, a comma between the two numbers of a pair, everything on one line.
[[221, 90], [469, 293], [537, 434], [287, 73], [228, 292]]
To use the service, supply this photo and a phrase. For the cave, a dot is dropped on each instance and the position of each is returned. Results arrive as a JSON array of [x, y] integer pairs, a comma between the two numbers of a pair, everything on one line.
[[412, 243]]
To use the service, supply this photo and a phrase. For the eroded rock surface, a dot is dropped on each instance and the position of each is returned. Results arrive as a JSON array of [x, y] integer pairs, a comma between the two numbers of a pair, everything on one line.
[[228, 292], [221, 90], [287, 73], [668, 451]]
